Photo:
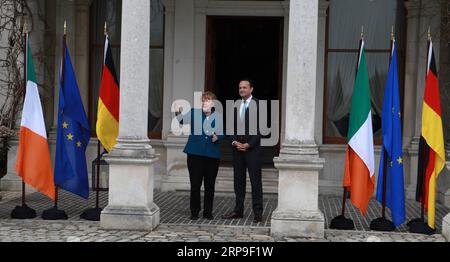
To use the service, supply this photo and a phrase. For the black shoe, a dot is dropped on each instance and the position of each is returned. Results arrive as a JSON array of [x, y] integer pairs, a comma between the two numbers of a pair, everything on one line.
[[194, 217], [208, 216], [257, 219], [232, 215]]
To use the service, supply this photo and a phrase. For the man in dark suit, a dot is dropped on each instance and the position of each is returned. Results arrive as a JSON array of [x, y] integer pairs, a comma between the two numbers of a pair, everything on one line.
[[247, 153]]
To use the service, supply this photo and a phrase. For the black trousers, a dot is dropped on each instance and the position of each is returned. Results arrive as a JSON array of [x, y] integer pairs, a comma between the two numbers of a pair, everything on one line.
[[242, 161], [202, 168]]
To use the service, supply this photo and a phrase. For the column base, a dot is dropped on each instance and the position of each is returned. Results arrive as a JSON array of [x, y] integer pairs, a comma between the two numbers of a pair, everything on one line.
[[298, 214], [12, 181], [131, 183], [410, 192], [308, 224], [411, 179], [130, 218], [446, 227], [177, 174]]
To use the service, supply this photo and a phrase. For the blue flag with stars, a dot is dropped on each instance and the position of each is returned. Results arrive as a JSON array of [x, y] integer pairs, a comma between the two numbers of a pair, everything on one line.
[[73, 135], [392, 145]]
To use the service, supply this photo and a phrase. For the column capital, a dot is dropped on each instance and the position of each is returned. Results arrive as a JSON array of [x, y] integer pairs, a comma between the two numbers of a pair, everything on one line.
[[83, 3], [323, 7], [413, 8], [200, 6], [169, 6], [285, 6]]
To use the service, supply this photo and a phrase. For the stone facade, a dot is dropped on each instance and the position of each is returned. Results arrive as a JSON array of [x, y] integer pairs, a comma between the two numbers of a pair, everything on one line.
[[305, 161]]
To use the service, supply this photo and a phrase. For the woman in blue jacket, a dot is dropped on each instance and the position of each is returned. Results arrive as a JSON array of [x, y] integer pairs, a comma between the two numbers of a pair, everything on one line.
[[203, 153]]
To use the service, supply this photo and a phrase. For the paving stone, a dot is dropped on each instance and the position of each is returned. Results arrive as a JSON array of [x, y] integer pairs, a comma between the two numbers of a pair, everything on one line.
[[175, 225]]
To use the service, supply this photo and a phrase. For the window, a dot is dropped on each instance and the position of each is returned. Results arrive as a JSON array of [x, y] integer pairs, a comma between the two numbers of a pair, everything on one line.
[[344, 22], [111, 12]]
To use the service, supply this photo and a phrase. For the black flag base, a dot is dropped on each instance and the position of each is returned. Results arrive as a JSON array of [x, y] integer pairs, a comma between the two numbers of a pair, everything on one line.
[[419, 226], [54, 214], [23, 212], [92, 214], [382, 224], [342, 223]]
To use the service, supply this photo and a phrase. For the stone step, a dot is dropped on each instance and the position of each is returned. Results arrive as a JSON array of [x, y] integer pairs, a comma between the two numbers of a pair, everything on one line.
[[224, 181]]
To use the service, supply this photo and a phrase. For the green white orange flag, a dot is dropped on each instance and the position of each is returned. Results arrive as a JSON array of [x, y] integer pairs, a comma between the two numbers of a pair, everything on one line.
[[33, 158], [359, 176]]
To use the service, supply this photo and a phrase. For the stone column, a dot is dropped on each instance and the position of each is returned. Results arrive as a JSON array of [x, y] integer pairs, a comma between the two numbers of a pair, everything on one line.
[[411, 130], [444, 83], [13, 182], [183, 79], [65, 11], [81, 51], [322, 38], [298, 214], [49, 56], [132, 161], [169, 27]]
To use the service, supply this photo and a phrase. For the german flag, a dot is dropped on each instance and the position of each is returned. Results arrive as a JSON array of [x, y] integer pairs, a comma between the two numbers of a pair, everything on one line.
[[108, 103], [431, 146]]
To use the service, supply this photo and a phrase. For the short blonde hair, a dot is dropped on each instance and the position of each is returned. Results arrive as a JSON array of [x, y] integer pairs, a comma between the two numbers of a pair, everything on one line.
[[209, 95]]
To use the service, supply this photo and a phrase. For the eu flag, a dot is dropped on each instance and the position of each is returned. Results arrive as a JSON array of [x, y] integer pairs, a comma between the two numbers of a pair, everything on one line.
[[392, 145], [73, 134]]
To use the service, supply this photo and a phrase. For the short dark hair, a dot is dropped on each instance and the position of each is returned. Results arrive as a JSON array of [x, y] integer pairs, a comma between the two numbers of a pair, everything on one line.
[[248, 79]]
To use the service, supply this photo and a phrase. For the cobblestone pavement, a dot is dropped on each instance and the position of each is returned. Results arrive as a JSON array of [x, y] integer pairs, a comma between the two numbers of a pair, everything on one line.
[[175, 225], [84, 231]]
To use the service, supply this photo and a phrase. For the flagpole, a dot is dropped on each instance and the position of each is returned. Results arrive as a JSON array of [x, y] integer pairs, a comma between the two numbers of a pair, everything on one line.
[[422, 209], [418, 225], [62, 83], [341, 222], [422, 206], [25, 62], [381, 223], [385, 156], [93, 214], [24, 212], [97, 198], [54, 213]]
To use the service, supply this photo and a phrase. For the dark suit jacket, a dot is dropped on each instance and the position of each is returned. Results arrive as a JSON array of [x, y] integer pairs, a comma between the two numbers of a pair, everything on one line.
[[254, 140]]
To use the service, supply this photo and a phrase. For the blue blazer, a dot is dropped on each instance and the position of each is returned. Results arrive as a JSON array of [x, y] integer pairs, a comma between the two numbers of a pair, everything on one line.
[[200, 140]]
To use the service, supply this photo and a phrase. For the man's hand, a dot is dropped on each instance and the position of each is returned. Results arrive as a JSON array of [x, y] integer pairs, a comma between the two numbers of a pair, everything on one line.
[[241, 147], [245, 146], [214, 138], [237, 145]]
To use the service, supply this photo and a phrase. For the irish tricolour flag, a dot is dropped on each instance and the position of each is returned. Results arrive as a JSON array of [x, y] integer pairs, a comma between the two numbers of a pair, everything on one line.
[[359, 177], [33, 159]]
